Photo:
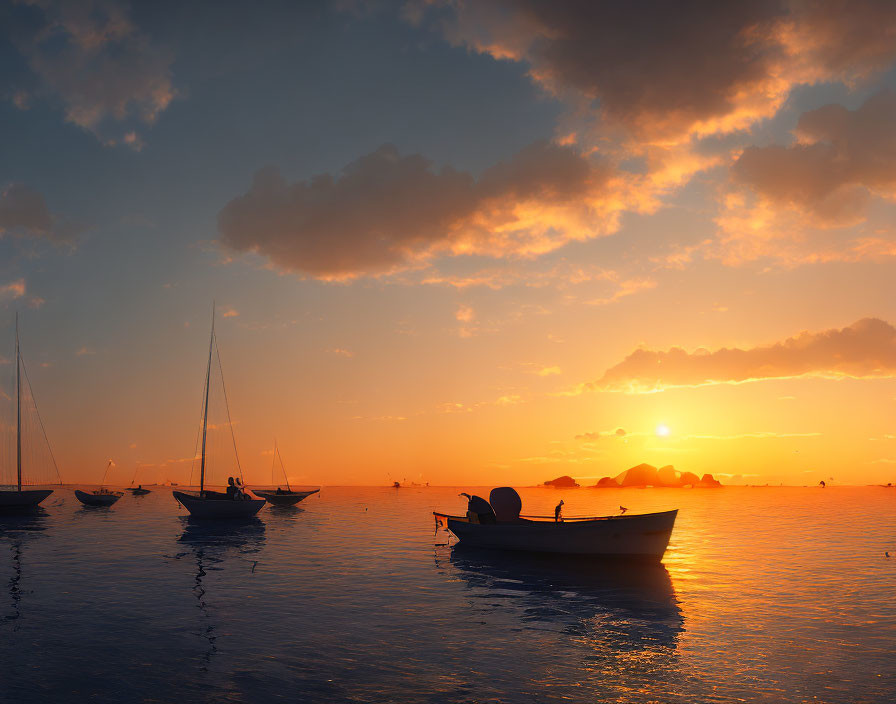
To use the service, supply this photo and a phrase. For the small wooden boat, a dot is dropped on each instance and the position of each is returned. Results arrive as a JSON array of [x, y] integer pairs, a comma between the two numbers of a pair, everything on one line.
[[101, 496], [633, 536], [140, 491], [19, 499], [215, 504], [282, 497]]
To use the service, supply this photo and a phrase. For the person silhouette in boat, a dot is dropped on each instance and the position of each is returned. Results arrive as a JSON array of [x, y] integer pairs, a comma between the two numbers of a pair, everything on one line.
[[557, 511], [232, 490]]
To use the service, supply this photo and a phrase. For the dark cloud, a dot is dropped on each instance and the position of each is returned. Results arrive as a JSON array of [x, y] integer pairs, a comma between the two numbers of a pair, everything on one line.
[[24, 213], [387, 211], [866, 348], [98, 63], [842, 156], [665, 67]]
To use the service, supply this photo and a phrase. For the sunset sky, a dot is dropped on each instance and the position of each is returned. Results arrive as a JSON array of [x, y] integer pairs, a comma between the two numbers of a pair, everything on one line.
[[456, 242]]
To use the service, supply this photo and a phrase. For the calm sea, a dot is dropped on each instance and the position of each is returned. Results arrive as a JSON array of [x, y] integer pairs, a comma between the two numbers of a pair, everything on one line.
[[766, 595]]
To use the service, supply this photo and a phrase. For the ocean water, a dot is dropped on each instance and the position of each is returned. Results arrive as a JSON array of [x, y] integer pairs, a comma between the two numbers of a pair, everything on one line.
[[765, 595]]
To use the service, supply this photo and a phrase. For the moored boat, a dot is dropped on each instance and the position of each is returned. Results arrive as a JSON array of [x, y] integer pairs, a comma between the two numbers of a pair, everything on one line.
[[631, 536], [238, 502], [19, 499], [282, 497], [101, 496]]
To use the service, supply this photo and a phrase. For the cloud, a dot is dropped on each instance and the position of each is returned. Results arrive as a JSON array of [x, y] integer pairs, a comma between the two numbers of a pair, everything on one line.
[[840, 159], [387, 212], [339, 352], [99, 64], [865, 349], [464, 314], [666, 69], [549, 371], [24, 213], [12, 290], [230, 313]]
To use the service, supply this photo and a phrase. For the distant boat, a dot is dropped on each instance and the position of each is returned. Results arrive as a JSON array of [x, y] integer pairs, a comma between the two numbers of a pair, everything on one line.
[[497, 524], [137, 490], [396, 485], [101, 496], [281, 497], [215, 504], [19, 498]]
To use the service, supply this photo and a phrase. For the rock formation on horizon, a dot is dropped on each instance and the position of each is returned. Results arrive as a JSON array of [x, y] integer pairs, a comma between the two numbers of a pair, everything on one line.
[[643, 475], [564, 482]]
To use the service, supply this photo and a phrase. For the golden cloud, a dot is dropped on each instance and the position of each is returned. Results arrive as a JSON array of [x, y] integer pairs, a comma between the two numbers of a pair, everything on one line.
[[387, 212], [664, 70], [865, 349]]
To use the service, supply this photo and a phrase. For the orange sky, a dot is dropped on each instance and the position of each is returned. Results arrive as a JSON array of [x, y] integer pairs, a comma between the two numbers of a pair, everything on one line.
[[479, 244]]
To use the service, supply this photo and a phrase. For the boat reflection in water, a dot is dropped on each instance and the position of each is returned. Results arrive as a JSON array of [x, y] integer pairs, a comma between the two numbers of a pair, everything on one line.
[[213, 545], [17, 531], [622, 616]]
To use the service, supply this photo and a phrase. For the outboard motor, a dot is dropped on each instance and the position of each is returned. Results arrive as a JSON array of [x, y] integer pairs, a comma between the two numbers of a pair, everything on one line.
[[506, 504], [479, 510]]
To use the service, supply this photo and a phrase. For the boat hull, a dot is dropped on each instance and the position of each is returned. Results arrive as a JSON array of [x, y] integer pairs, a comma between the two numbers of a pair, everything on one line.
[[639, 537], [218, 507], [22, 500], [89, 499], [290, 499]]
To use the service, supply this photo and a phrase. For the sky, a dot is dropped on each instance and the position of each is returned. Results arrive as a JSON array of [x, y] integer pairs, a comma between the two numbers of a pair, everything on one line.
[[455, 242]]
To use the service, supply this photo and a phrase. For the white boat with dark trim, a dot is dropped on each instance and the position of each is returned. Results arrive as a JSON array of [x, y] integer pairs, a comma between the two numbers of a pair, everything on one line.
[[19, 499], [497, 524], [236, 503]]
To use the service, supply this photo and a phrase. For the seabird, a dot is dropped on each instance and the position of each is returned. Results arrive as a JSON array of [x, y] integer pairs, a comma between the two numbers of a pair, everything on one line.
[[622, 509]]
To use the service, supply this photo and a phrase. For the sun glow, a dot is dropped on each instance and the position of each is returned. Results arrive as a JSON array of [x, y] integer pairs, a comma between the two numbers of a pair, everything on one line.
[[662, 430]]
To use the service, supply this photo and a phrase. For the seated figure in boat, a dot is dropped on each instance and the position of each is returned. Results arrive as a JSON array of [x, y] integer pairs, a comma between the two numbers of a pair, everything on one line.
[[233, 491], [281, 491], [479, 510]]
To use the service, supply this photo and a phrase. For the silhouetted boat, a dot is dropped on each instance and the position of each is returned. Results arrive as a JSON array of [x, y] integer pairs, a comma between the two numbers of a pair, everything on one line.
[[281, 497], [19, 498], [139, 491], [215, 504], [101, 496], [497, 524]]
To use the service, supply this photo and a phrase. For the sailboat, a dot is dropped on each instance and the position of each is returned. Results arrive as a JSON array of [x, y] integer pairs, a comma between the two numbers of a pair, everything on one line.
[[280, 497], [215, 504], [137, 490], [101, 496], [19, 498]]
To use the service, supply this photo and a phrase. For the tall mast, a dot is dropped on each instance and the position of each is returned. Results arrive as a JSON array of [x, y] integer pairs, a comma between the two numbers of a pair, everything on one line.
[[283, 469], [18, 408], [208, 379]]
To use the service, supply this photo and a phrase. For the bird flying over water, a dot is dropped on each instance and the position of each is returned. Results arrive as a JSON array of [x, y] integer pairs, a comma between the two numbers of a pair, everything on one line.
[[622, 509]]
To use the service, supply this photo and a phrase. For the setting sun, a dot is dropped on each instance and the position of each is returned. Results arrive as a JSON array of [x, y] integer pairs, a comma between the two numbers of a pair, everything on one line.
[[662, 430]]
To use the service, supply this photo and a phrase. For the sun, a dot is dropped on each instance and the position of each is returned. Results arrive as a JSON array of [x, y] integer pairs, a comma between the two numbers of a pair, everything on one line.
[[662, 430]]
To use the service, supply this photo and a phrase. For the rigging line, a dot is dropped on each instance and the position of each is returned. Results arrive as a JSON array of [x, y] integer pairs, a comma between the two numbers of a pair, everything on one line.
[[227, 406], [41, 422]]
